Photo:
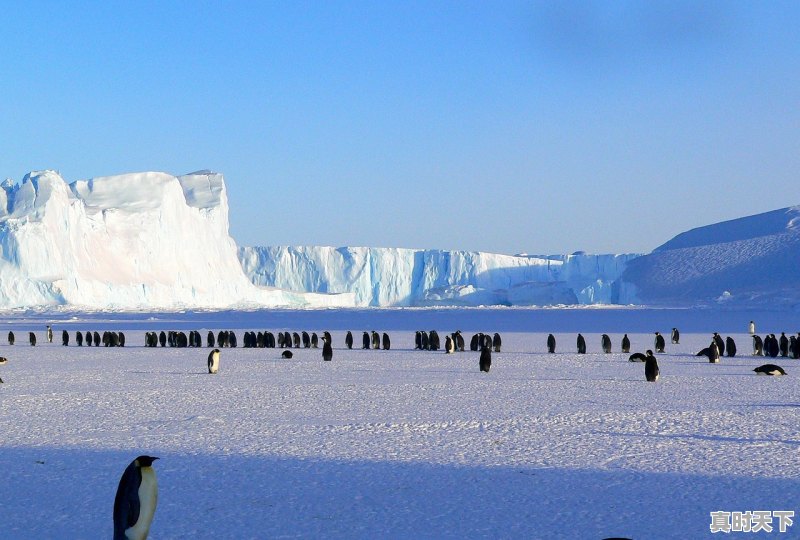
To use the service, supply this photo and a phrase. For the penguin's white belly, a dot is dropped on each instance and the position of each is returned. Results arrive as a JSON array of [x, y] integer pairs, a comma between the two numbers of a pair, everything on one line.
[[148, 497]]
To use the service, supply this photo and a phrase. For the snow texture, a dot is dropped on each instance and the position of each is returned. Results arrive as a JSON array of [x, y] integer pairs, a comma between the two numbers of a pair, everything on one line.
[[400, 443], [751, 261], [410, 277], [134, 241]]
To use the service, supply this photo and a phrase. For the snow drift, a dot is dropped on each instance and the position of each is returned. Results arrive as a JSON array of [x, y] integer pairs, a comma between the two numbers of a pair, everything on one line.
[[751, 261], [409, 277], [147, 240]]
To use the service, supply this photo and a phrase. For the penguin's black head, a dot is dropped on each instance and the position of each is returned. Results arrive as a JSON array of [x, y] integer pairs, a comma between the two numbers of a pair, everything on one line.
[[649, 352], [145, 461]]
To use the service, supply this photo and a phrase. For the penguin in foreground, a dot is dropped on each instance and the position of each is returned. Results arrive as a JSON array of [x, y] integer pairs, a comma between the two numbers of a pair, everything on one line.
[[651, 367], [486, 359], [770, 369], [327, 350], [135, 503], [213, 361]]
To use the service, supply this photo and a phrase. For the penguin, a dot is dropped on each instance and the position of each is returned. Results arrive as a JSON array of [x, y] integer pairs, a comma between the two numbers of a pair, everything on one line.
[[49, 334], [88, 339], [758, 346], [231, 338], [417, 339], [639, 357], [162, 339], [473, 342], [660, 343], [651, 367], [306, 340], [136, 499], [348, 340], [485, 362], [551, 343], [387, 344], [581, 345], [122, 339], [365, 341], [65, 338], [286, 354], [626, 344], [752, 328], [3, 360], [376, 340], [497, 342], [459, 341], [730, 346], [795, 346], [11, 338], [449, 346], [32, 339], [714, 354], [433, 340], [314, 340], [327, 350], [770, 369], [210, 339], [676, 336], [79, 338], [784, 345], [720, 343], [774, 348], [213, 361], [605, 343]]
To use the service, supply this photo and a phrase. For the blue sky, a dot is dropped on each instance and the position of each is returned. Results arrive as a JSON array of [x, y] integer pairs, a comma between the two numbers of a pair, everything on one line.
[[496, 126]]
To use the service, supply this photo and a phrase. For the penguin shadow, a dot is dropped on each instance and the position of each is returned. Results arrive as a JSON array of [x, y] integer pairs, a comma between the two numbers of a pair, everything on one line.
[[184, 373], [698, 437]]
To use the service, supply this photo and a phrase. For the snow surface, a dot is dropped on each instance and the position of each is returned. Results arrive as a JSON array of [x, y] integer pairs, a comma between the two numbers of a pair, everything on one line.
[[414, 277], [134, 241], [400, 443]]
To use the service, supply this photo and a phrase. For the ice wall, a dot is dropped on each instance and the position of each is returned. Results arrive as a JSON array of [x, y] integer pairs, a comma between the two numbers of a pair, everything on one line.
[[409, 277]]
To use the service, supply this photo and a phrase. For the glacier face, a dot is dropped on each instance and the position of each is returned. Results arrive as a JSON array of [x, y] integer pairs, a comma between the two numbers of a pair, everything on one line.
[[409, 277], [134, 241]]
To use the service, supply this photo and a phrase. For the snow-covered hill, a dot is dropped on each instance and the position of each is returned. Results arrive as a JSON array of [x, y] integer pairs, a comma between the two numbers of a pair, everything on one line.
[[751, 261], [409, 277], [148, 240]]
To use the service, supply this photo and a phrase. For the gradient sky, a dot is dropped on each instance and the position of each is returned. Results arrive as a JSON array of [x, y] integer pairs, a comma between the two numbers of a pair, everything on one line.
[[509, 127]]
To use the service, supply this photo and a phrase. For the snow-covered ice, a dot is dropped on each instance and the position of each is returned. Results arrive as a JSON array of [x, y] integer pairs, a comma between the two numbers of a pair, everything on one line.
[[399, 443]]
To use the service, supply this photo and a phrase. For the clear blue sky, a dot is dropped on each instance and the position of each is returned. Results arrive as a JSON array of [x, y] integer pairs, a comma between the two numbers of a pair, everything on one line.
[[495, 126]]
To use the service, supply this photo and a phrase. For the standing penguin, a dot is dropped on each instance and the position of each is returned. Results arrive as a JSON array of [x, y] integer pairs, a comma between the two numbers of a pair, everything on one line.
[[365, 341], [449, 346], [551, 343], [713, 353], [79, 338], [49, 334], [327, 350], [660, 343], [497, 342], [626, 344], [752, 328], [348, 340], [758, 346], [32, 339], [387, 344], [651, 367], [11, 338], [730, 346], [581, 345], [676, 336], [64, 338], [213, 361], [720, 343], [784, 344], [486, 359], [376, 340], [605, 343], [135, 503]]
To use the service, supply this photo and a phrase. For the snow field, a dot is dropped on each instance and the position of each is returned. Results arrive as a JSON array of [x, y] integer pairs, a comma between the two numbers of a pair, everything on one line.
[[399, 443]]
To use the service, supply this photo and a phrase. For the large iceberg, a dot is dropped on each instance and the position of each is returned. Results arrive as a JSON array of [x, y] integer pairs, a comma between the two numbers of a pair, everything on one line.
[[409, 277], [134, 241]]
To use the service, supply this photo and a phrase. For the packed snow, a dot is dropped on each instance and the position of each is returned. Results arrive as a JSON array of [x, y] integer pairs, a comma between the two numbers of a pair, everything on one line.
[[399, 443]]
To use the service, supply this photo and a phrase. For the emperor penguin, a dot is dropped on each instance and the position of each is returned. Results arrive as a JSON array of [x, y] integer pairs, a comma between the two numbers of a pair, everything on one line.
[[135, 503], [581, 344], [365, 342], [713, 356], [676, 336], [626, 344], [286, 354], [213, 361], [651, 367], [660, 343], [730, 346], [11, 338], [752, 328], [784, 344], [770, 369], [314, 340], [720, 343], [449, 346], [605, 343], [49, 334], [486, 359], [64, 338], [433, 340], [327, 350], [758, 346], [473, 343], [348, 340], [551, 343], [387, 343], [32, 339], [497, 342]]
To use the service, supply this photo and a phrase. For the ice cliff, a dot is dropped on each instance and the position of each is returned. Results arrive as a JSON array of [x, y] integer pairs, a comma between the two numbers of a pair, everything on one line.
[[134, 241], [409, 277]]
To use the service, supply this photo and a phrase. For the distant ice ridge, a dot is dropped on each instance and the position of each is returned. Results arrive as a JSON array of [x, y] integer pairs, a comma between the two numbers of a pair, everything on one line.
[[415, 277], [134, 241]]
